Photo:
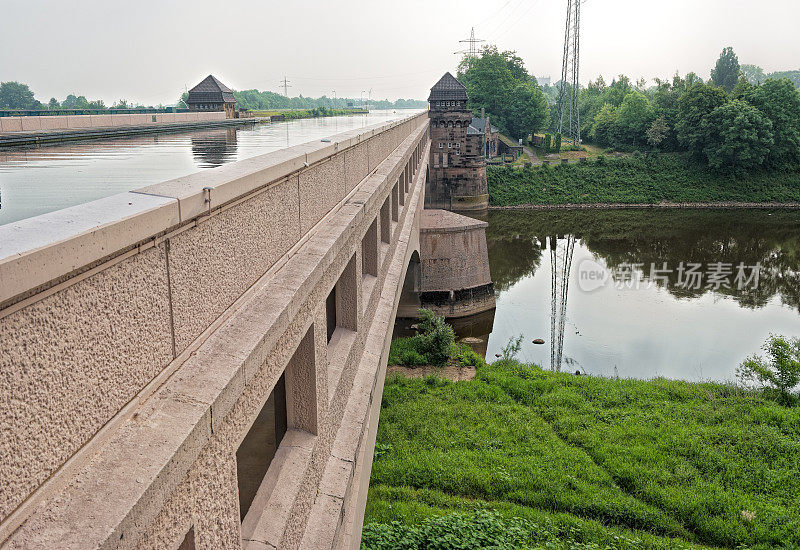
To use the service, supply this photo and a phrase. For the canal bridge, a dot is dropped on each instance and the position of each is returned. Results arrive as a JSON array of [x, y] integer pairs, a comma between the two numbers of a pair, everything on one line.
[[200, 363]]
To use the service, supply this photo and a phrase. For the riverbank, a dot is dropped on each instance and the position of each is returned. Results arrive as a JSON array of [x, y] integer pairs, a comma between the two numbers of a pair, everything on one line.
[[668, 180], [528, 457]]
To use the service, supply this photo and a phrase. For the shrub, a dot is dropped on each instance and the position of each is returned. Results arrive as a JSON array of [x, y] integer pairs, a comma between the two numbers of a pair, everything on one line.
[[780, 371], [547, 141], [557, 144], [436, 337], [512, 347]]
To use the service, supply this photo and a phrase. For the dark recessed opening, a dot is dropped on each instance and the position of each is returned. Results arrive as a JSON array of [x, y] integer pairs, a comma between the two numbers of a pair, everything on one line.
[[256, 452], [330, 313], [188, 540]]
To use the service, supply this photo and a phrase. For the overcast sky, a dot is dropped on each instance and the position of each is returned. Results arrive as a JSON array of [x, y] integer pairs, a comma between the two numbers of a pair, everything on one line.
[[149, 51]]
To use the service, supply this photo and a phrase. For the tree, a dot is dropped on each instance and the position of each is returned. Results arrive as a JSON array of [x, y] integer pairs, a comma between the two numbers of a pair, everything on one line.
[[696, 104], [634, 116], [794, 76], [781, 371], [14, 95], [527, 111], [498, 82], [780, 103], [604, 123], [726, 73], [53, 104], [736, 136], [121, 104], [753, 73], [657, 132]]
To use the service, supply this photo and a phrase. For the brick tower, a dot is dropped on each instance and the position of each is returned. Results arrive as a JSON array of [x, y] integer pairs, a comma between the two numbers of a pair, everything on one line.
[[457, 165]]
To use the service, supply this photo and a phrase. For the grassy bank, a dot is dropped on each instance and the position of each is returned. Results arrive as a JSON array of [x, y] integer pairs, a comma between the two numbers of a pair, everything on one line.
[[636, 180], [522, 458]]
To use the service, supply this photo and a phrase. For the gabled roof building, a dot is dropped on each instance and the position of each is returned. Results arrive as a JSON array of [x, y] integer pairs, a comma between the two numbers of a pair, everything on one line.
[[212, 95]]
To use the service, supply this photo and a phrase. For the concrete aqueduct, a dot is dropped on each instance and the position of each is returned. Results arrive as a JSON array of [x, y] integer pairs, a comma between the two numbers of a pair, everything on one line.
[[200, 363]]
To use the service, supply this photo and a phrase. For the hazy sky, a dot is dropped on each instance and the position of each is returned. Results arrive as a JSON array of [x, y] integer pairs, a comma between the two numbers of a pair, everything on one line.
[[149, 51]]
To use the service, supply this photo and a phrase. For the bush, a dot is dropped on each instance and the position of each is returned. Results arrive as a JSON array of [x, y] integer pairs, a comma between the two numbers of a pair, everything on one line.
[[433, 345], [557, 144], [781, 371], [436, 337]]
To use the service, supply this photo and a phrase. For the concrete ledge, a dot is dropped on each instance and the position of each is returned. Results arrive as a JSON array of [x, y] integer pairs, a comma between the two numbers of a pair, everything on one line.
[[44, 248], [37, 250]]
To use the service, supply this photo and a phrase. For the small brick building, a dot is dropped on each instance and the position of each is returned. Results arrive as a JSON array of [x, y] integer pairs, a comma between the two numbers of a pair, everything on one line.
[[212, 95], [458, 153]]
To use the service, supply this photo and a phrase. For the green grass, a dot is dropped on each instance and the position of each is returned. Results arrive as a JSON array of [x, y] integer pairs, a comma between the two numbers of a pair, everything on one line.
[[586, 460], [631, 180]]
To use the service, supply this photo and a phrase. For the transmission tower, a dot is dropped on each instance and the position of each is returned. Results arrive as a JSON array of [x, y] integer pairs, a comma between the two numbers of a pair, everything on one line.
[[472, 51], [560, 265], [285, 84], [570, 65]]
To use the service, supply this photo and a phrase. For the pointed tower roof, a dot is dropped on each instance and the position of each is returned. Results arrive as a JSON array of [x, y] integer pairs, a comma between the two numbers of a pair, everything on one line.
[[448, 88], [211, 90]]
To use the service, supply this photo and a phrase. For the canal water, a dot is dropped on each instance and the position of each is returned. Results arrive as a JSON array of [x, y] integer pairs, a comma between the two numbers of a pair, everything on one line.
[[39, 179], [651, 292]]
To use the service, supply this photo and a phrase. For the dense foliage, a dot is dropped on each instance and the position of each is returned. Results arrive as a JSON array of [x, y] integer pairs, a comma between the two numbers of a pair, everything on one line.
[[499, 83], [741, 120], [637, 180], [612, 463]]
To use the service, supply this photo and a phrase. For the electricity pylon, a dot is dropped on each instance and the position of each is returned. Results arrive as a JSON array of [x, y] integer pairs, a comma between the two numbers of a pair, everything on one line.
[[560, 265], [472, 51], [570, 65]]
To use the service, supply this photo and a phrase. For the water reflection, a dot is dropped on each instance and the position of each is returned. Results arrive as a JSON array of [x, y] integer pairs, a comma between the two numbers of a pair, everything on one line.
[[661, 329], [620, 238], [214, 148]]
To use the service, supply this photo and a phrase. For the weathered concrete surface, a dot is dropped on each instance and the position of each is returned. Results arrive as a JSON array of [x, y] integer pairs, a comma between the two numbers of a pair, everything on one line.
[[240, 285]]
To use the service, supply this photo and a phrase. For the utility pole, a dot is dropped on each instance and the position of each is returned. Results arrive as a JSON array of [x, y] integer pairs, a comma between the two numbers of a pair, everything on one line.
[[570, 65], [472, 51], [285, 84]]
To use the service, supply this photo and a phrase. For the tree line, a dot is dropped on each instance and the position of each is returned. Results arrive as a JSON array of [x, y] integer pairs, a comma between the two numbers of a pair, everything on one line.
[[19, 96], [264, 101], [734, 122], [741, 119]]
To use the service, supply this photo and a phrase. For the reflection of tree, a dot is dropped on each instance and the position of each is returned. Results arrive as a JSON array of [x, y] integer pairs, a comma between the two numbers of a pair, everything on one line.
[[513, 255], [656, 236]]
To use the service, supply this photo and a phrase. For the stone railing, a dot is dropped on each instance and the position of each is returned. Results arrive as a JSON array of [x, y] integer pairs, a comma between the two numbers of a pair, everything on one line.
[[70, 122], [102, 302]]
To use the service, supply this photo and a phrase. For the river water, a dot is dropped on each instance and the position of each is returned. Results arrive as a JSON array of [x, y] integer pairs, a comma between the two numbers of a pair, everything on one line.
[[625, 319], [39, 179]]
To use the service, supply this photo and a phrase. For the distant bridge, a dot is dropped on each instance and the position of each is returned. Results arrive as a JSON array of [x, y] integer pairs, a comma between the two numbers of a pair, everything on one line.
[[200, 363]]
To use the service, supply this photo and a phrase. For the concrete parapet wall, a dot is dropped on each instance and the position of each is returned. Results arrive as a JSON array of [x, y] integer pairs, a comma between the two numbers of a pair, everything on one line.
[[61, 122], [103, 304]]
